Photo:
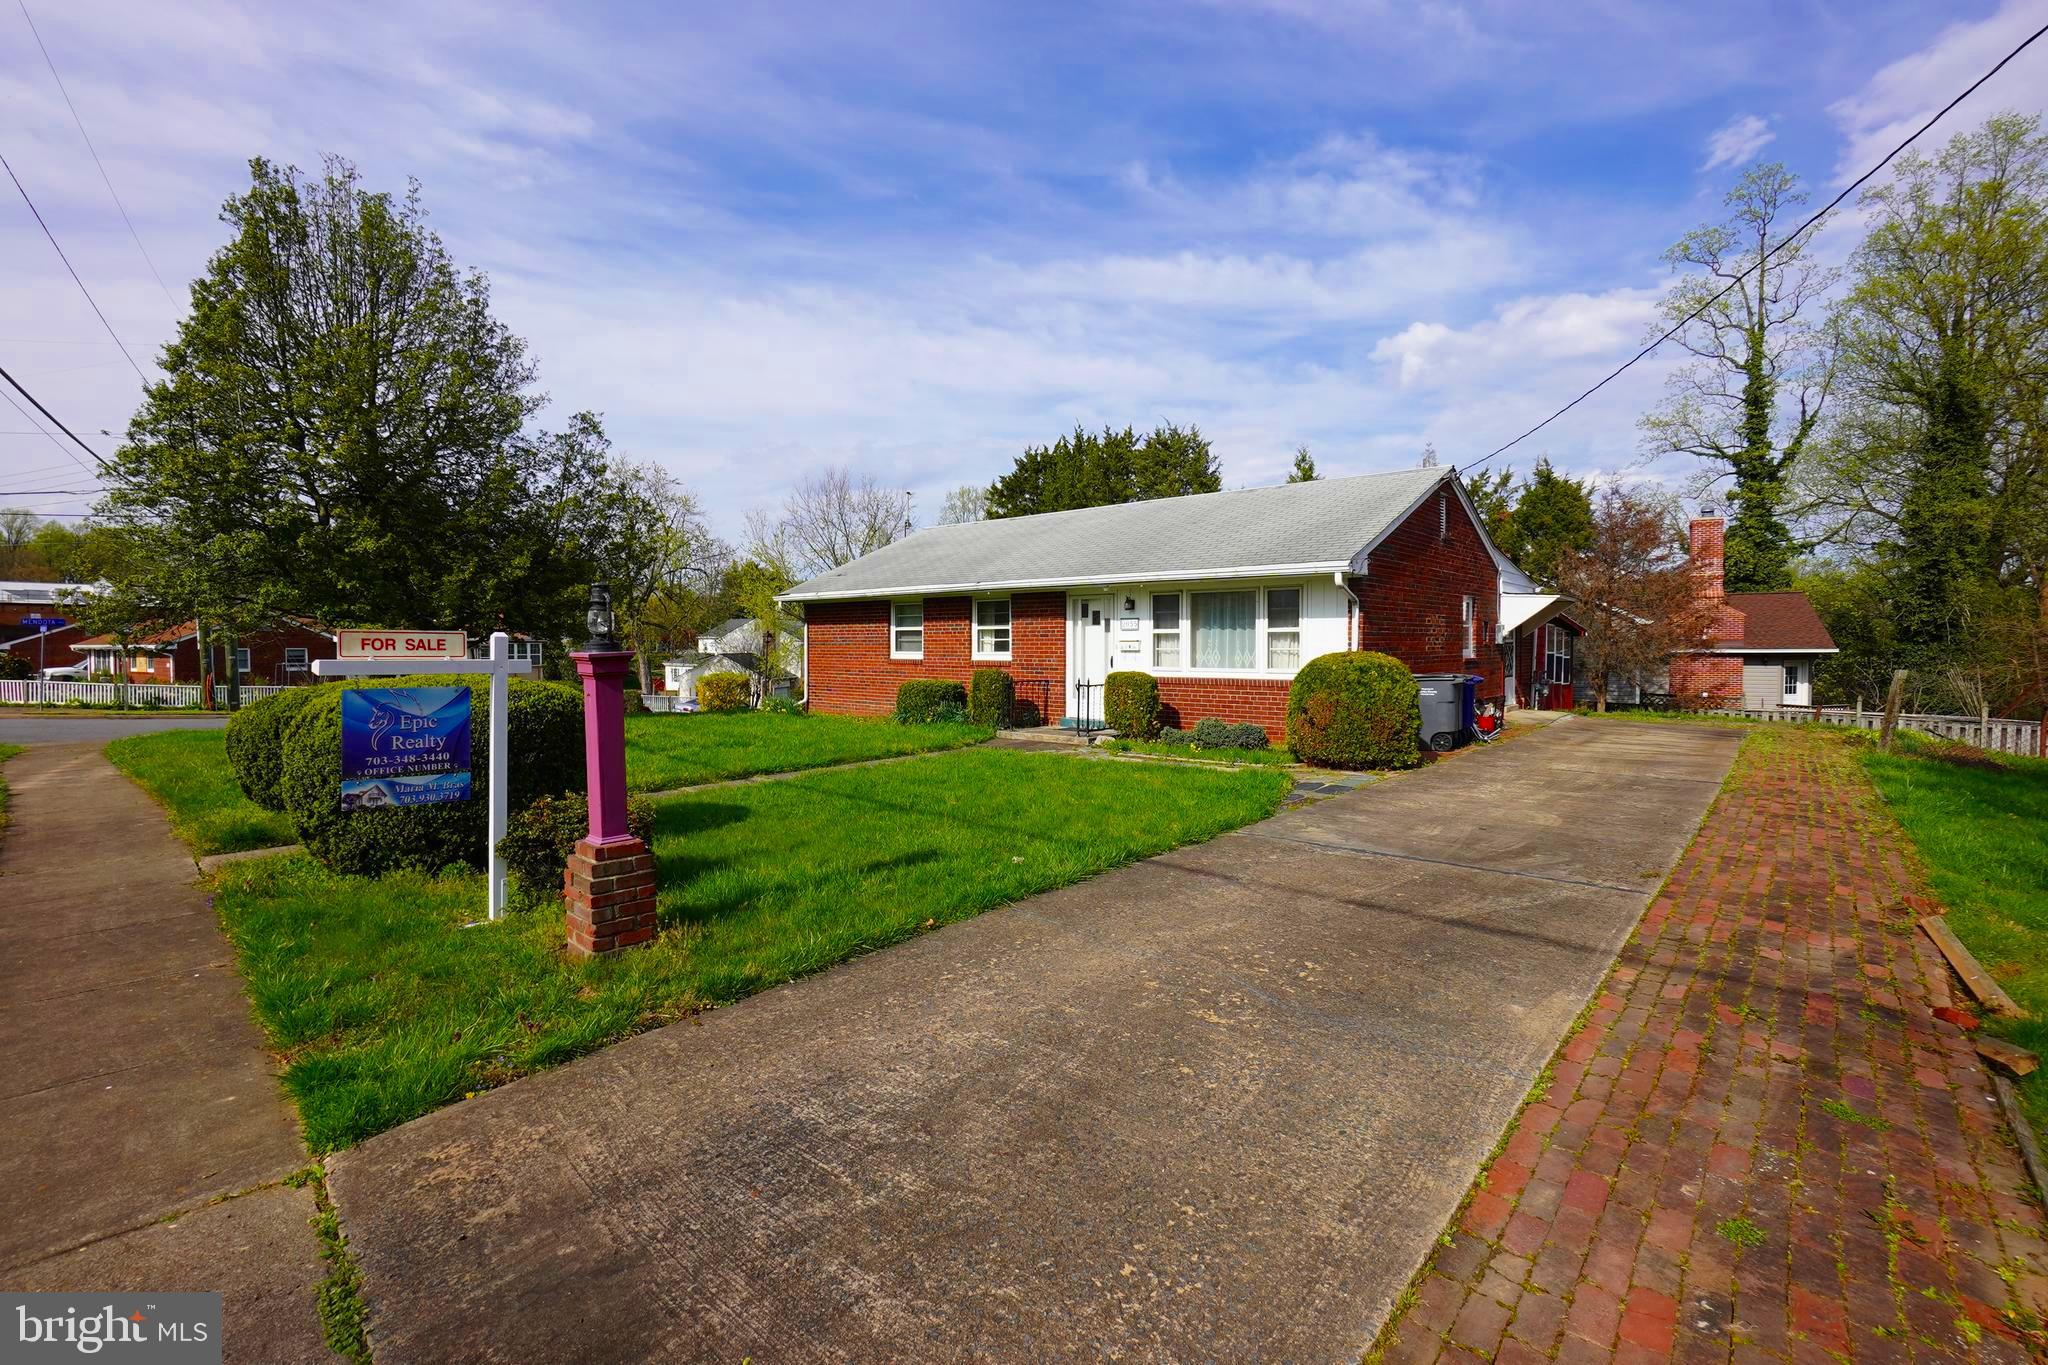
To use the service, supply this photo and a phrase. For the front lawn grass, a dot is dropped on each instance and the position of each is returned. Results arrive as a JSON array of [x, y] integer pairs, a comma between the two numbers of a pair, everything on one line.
[[384, 1007], [1983, 834], [687, 748], [7, 751], [187, 772], [1267, 757]]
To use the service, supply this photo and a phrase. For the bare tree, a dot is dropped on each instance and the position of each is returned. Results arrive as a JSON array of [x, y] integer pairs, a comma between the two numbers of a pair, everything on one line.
[[656, 546], [968, 502], [830, 519], [1637, 603], [18, 529]]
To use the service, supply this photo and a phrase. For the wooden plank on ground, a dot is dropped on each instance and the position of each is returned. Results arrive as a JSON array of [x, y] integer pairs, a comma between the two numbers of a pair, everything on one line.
[[2010, 1058], [1987, 991]]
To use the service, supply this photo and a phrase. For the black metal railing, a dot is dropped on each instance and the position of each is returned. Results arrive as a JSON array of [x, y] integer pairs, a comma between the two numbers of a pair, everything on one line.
[[1088, 708]]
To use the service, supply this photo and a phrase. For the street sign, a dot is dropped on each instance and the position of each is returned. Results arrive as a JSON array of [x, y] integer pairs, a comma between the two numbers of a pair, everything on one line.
[[404, 746], [500, 667], [43, 623], [402, 644]]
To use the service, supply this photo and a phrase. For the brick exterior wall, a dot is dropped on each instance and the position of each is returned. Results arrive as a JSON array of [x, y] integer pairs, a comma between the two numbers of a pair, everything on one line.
[[852, 674], [1413, 595], [1719, 676]]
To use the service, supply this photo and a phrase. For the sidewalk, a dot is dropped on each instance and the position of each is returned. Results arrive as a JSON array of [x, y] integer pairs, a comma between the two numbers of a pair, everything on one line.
[[143, 1134], [1764, 1144]]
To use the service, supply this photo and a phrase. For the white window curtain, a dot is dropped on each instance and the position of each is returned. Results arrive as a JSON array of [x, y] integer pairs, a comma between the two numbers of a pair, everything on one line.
[[1166, 630], [1283, 629], [1226, 629]]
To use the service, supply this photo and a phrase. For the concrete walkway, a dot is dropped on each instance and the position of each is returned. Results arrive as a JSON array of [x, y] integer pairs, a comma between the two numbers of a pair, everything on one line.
[[137, 1094], [1215, 1105], [1771, 1141]]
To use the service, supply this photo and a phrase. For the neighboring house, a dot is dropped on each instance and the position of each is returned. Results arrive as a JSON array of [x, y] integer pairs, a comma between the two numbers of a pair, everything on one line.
[[1764, 644], [281, 654], [517, 646], [1221, 596], [732, 646], [1539, 644], [55, 648]]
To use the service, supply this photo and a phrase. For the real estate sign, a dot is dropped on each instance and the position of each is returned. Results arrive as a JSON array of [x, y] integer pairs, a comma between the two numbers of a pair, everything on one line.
[[402, 644], [404, 746]]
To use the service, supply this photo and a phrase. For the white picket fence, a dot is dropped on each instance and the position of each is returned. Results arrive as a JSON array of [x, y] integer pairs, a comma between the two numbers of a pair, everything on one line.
[[32, 692], [1999, 736]]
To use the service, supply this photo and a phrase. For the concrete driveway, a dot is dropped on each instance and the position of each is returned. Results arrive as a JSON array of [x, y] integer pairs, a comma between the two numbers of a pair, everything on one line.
[[1215, 1105]]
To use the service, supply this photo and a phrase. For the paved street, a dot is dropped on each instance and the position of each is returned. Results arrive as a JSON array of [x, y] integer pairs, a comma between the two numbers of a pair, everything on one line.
[[88, 729], [142, 1132], [1216, 1105]]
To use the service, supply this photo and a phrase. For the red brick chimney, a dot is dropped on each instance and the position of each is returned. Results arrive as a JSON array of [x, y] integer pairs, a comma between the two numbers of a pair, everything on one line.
[[1708, 534]]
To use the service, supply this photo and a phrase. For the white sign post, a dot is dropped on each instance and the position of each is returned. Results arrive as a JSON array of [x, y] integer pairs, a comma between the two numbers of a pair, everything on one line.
[[500, 666]]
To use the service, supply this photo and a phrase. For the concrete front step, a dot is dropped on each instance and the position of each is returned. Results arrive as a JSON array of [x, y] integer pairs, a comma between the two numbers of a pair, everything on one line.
[[1055, 734]]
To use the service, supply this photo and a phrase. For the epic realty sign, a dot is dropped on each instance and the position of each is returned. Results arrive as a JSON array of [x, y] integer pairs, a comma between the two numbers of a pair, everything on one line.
[[402, 644], [404, 746]]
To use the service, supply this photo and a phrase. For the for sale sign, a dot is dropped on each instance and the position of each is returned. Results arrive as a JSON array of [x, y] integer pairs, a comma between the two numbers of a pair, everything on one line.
[[402, 644], [404, 746]]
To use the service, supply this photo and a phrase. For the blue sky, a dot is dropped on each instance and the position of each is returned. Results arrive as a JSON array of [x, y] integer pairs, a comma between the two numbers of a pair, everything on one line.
[[910, 239]]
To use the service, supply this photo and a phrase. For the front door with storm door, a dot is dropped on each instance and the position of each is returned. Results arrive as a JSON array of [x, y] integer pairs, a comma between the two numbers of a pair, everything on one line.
[[1088, 646]]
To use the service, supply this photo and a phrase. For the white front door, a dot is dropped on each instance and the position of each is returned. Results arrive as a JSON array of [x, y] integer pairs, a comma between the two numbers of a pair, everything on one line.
[[1798, 685], [1088, 646], [1508, 665]]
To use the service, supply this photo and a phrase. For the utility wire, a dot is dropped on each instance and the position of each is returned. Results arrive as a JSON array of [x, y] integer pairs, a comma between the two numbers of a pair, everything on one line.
[[1831, 205], [36, 403], [74, 274], [47, 61]]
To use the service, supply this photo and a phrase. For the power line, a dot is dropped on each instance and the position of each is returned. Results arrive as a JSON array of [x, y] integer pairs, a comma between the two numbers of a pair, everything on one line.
[[47, 61], [37, 405], [1796, 235], [74, 273]]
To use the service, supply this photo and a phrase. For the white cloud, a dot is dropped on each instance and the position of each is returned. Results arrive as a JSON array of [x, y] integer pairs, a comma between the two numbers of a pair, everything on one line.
[[1737, 141], [1901, 96], [1526, 333]]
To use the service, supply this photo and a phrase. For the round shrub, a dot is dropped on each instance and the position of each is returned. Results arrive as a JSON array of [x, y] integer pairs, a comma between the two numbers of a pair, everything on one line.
[[540, 837], [546, 744], [255, 744], [1130, 704], [991, 693], [1211, 733], [724, 692], [925, 700], [1174, 739], [1356, 709], [1248, 736]]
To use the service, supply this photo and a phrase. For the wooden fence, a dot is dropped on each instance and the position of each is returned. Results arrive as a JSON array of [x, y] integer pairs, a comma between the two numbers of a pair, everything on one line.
[[16, 692], [1999, 736]]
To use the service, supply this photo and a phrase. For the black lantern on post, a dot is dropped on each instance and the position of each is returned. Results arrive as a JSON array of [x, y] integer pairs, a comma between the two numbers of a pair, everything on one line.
[[598, 621]]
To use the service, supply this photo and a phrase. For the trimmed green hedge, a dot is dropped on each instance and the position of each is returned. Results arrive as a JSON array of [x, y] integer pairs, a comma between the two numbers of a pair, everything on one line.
[[991, 696], [539, 839], [925, 700], [546, 741], [1130, 704], [1356, 709], [724, 692], [255, 743]]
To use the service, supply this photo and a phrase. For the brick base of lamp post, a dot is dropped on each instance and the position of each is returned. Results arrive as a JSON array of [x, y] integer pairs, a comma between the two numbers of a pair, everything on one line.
[[608, 887]]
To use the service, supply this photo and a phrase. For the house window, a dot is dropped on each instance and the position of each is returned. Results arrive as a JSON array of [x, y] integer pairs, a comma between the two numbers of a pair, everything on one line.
[[242, 660], [1791, 680], [991, 628], [907, 630], [295, 658], [1166, 630], [1226, 629], [1283, 629], [1471, 626]]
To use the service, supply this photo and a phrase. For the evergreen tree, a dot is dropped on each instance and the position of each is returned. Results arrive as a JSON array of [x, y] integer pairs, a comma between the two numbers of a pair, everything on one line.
[[1494, 495], [1553, 517], [1304, 467], [1084, 470]]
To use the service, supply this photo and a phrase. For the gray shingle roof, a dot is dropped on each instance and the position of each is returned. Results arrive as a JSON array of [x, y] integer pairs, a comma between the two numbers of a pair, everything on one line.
[[1323, 524]]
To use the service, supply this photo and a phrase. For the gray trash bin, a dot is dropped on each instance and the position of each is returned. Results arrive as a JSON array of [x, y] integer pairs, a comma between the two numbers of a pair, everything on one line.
[[1443, 709]]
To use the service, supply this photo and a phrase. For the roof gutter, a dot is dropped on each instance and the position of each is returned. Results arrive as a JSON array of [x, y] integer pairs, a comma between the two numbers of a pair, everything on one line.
[[1336, 566]]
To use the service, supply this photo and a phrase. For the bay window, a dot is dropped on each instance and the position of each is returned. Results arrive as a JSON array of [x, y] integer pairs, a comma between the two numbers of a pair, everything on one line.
[[906, 639], [992, 628], [1166, 630], [1283, 629], [1226, 629]]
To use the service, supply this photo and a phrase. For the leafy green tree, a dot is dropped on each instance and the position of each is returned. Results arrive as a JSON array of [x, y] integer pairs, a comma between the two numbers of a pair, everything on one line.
[[1494, 495], [1084, 470], [651, 541], [1758, 383], [341, 433], [968, 502], [1552, 518], [1304, 470]]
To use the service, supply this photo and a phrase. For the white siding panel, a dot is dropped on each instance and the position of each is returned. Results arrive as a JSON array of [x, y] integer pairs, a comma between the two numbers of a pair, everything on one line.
[[1763, 686], [1323, 619]]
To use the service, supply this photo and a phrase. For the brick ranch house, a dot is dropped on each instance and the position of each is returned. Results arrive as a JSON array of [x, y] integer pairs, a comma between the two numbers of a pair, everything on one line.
[[1764, 644], [1221, 596], [280, 654]]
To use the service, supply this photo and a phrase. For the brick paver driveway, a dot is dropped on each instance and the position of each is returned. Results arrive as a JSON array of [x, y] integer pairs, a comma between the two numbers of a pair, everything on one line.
[[1763, 1145]]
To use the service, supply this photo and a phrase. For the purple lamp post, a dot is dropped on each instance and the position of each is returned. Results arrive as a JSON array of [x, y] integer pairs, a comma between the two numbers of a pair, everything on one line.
[[608, 888]]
